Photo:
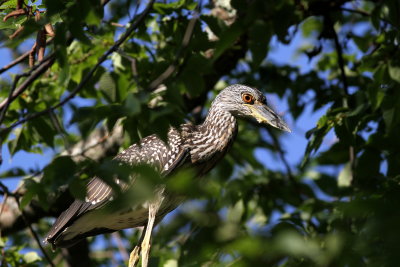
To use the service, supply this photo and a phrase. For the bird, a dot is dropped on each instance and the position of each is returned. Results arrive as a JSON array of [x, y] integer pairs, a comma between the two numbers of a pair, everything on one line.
[[198, 147]]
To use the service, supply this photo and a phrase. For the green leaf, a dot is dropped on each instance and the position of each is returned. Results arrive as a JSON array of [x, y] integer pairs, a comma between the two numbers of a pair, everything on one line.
[[311, 25], [337, 154], [13, 172], [61, 170], [167, 8], [77, 188], [216, 25], [132, 105], [389, 118], [31, 257], [44, 129], [26, 198], [364, 42], [260, 34], [375, 96], [93, 17], [88, 117], [228, 38], [9, 4], [345, 177], [12, 23], [19, 142], [107, 87], [394, 72]]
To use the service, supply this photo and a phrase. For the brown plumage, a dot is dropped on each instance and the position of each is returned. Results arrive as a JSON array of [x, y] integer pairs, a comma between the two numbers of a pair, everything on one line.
[[199, 147]]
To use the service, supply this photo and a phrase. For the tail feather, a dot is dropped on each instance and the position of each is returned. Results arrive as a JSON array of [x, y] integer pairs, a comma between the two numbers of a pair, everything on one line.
[[66, 218]]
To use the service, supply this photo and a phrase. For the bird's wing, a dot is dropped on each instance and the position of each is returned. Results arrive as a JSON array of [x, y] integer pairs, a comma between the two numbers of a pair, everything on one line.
[[151, 150]]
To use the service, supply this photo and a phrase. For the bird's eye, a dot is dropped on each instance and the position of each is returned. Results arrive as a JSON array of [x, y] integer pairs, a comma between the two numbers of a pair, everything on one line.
[[248, 98]]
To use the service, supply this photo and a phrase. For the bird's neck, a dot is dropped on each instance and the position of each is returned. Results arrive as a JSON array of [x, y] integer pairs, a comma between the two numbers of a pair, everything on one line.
[[214, 137]]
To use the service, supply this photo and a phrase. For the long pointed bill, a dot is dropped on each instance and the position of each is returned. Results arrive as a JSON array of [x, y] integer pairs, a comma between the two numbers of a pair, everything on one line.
[[264, 114]]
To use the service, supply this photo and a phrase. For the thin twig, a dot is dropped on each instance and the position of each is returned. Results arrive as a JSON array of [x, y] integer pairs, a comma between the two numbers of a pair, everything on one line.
[[83, 152], [366, 14], [33, 74], [4, 188], [9, 99], [339, 52], [89, 75], [122, 250], [357, 11], [20, 3], [117, 24], [133, 64], [20, 58], [4, 110], [282, 156], [36, 237], [8, 193]]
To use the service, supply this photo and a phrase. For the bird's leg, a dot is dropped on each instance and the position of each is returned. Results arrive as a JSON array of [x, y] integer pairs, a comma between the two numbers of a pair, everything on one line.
[[135, 254], [146, 243]]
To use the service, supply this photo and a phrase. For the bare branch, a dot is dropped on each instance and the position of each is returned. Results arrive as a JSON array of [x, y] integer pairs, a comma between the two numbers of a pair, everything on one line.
[[281, 153], [20, 3], [4, 188], [341, 63], [15, 13], [3, 113], [32, 55], [7, 193], [33, 74], [117, 24], [20, 59], [40, 44], [366, 14], [35, 236], [49, 30], [122, 250], [16, 33], [357, 11]]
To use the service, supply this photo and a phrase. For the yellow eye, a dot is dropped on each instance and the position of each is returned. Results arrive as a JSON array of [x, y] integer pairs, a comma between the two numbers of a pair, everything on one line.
[[248, 98]]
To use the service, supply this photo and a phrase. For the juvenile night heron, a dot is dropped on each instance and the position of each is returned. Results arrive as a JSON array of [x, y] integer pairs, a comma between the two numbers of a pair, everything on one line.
[[199, 147]]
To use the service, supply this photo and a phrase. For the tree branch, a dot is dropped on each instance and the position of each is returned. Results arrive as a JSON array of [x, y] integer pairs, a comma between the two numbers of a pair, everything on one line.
[[33, 74], [39, 243], [339, 52], [281, 153], [357, 11], [20, 58]]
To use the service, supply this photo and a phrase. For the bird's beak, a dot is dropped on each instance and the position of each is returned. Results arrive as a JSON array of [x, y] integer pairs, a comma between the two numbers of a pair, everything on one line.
[[264, 114]]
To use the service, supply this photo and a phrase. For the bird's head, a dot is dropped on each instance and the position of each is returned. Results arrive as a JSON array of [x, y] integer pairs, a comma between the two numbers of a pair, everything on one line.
[[243, 101]]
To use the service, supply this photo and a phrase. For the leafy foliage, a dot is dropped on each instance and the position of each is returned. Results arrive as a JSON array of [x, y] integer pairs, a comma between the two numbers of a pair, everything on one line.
[[336, 206]]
